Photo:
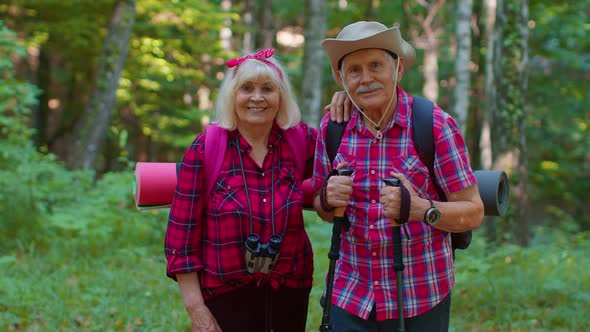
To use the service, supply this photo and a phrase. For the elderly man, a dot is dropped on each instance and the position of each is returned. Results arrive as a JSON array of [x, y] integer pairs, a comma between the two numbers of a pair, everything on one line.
[[368, 61]]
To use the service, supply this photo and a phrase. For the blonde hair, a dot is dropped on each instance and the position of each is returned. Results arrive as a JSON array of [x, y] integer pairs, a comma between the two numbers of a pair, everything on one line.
[[289, 114]]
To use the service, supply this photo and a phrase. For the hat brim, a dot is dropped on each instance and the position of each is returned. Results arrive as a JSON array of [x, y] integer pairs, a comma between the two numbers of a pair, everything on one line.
[[390, 40]]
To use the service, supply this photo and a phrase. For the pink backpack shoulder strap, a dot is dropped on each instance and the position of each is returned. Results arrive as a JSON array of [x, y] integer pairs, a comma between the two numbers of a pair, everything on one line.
[[215, 147], [296, 137]]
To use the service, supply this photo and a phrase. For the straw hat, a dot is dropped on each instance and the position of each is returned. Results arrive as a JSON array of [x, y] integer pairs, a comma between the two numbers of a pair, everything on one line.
[[363, 35]]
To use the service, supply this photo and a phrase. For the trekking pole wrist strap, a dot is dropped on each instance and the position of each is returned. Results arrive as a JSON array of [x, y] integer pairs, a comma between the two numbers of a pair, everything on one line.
[[404, 210]]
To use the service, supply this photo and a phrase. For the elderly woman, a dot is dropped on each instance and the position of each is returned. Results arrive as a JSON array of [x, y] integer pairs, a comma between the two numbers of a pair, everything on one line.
[[240, 253]]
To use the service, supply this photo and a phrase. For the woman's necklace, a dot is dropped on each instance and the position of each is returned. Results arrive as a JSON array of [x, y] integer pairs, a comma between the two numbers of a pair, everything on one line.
[[272, 189]]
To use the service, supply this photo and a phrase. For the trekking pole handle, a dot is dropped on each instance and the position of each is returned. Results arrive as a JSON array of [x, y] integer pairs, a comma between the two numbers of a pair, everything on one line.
[[339, 211], [398, 265], [393, 182]]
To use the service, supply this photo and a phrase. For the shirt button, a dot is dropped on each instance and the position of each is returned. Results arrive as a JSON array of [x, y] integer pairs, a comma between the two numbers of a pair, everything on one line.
[[372, 171], [261, 174], [264, 200], [373, 201], [374, 254], [371, 226], [376, 283]]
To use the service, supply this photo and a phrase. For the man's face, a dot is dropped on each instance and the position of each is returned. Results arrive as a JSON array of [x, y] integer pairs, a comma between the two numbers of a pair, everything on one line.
[[369, 76]]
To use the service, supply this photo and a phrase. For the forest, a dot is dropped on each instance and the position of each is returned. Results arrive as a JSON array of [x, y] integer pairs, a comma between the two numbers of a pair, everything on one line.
[[90, 88]]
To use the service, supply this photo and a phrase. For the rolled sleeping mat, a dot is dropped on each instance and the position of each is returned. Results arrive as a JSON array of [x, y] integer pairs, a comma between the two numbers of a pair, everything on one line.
[[494, 190], [154, 185]]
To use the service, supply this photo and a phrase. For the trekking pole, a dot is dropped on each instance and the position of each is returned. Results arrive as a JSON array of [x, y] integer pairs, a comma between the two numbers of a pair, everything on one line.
[[398, 264], [333, 255]]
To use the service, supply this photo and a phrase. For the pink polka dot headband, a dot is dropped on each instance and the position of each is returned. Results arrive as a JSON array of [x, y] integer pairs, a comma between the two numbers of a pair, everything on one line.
[[261, 56]]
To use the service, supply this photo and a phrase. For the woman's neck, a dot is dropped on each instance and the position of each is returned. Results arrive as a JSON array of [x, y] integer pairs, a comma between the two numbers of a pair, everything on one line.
[[257, 137]]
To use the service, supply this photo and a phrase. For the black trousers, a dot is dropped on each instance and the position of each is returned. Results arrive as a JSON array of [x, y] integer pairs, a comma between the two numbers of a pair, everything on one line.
[[261, 309], [434, 320]]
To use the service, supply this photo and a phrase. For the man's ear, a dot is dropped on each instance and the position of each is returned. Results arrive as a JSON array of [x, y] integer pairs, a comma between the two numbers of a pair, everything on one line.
[[337, 78], [400, 72]]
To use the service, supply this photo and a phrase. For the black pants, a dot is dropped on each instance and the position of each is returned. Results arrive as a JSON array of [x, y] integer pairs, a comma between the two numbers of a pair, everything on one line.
[[434, 320], [263, 309]]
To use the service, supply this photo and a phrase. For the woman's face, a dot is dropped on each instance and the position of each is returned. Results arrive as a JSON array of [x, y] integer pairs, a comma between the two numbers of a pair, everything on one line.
[[257, 102]]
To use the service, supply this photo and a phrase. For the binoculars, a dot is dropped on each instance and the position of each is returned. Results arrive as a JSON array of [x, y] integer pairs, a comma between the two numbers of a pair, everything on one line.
[[261, 257]]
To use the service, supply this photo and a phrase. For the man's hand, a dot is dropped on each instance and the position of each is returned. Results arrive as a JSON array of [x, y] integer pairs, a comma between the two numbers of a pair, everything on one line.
[[340, 108], [391, 198], [339, 189]]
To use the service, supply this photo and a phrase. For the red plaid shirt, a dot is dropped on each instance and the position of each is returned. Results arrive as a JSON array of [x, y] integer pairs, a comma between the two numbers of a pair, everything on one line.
[[364, 273], [208, 237]]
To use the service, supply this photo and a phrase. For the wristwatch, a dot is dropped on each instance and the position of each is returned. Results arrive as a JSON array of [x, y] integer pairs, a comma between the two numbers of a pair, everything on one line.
[[432, 215]]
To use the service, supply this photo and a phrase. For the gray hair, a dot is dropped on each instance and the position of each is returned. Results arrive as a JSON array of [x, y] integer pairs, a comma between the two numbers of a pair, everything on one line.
[[289, 114]]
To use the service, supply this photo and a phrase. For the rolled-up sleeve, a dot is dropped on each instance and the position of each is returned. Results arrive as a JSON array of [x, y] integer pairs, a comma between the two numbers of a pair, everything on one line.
[[184, 234], [451, 165]]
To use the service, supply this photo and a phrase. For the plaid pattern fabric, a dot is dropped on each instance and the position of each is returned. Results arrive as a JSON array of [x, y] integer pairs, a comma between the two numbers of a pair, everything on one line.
[[364, 273], [208, 237]]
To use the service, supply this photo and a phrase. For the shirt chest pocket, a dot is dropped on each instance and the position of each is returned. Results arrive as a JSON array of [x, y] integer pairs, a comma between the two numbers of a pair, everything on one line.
[[414, 170], [229, 195]]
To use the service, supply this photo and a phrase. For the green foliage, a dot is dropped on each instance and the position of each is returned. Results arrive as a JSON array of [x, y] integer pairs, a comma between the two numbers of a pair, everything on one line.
[[559, 121], [514, 289], [73, 286], [16, 97], [175, 55]]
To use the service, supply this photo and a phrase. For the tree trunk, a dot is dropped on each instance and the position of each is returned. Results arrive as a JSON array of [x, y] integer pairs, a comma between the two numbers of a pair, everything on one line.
[[91, 130], [431, 53], [477, 105], [490, 106], [250, 33], [427, 39], [313, 58], [508, 122], [41, 112], [266, 30], [463, 63], [522, 225]]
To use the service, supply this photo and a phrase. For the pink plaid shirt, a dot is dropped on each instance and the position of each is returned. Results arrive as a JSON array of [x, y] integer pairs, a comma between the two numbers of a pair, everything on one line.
[[208, 237], [364, 273]]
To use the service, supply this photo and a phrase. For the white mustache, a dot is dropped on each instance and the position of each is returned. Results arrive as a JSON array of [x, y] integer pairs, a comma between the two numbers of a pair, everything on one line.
[[370, 87]]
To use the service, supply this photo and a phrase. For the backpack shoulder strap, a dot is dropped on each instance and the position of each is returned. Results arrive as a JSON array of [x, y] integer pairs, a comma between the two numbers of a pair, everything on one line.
[[294, 136], [334, 132], [215, 147], [422, 124]]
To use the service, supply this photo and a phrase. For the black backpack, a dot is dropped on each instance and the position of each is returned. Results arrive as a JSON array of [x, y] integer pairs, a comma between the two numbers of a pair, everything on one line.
[[424, 143]]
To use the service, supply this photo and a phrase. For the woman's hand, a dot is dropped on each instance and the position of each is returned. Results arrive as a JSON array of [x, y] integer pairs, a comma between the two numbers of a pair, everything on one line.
[[340, 108], [202, 320]]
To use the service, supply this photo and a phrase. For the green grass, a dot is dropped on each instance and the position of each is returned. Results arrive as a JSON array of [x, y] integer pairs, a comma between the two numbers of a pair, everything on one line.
[[114, 280]]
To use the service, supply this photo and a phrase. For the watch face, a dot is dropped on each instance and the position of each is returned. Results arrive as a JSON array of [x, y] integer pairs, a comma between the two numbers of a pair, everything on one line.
[[432, 216]]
